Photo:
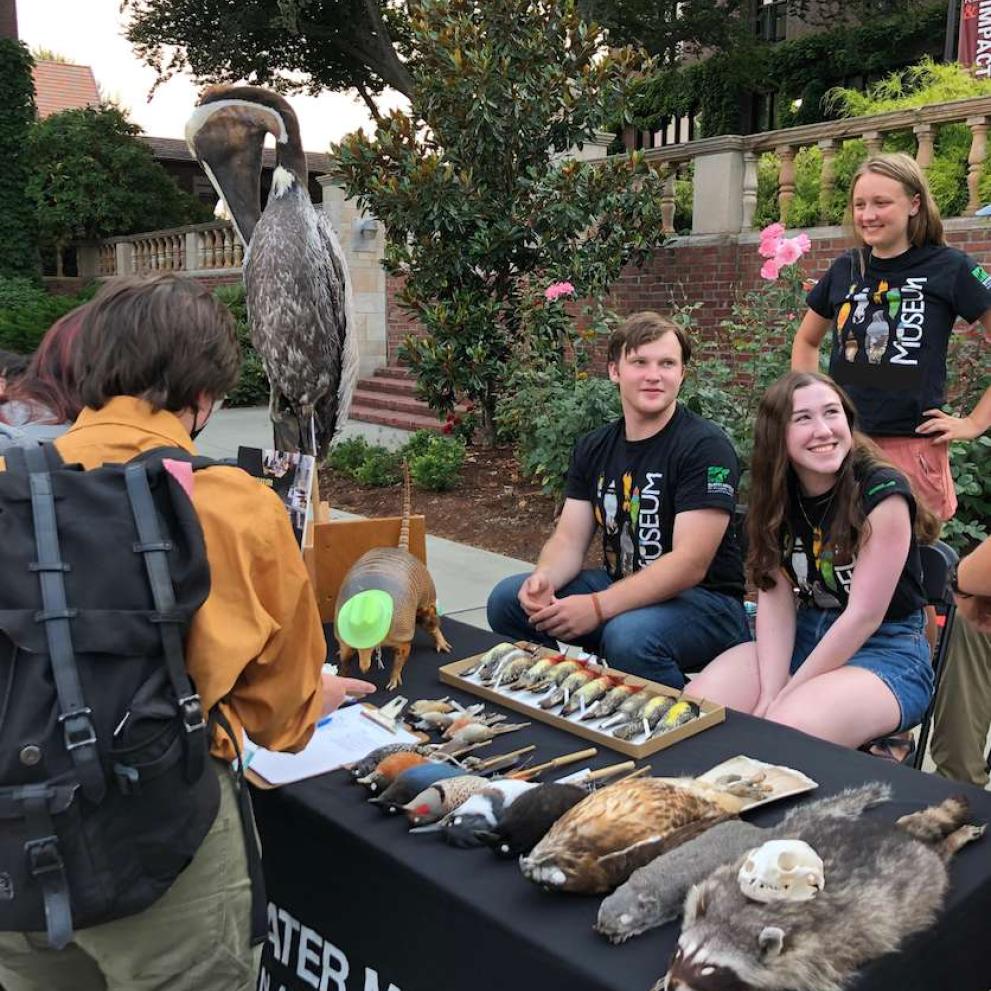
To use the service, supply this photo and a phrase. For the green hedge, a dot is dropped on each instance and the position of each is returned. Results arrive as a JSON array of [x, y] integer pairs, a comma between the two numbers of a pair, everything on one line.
[[18, 251]]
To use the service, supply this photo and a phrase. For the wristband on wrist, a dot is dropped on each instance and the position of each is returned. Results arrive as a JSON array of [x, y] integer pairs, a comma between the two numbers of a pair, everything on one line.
[[598, 608]]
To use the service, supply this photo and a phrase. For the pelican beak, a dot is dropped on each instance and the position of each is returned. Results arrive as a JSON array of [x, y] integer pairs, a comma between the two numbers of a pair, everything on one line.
[[227, 137]]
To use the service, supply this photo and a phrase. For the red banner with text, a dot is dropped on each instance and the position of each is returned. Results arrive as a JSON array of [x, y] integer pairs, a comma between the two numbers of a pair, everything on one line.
[[974, 48]]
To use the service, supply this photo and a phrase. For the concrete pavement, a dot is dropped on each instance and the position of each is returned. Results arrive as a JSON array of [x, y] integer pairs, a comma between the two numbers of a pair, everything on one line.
[[463, 575]]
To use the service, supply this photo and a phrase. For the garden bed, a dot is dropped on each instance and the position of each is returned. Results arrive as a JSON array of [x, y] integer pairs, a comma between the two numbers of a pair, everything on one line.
[[492, 506]]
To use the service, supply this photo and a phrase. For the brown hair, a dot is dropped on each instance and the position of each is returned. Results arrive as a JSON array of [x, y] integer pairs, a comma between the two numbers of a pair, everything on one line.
[[926, 227], [163, 338], [643, 328], [773, 483], [49, 387]]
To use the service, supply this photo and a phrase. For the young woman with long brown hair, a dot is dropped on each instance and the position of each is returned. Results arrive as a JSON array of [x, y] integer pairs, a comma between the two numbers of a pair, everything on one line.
[[841, 651]]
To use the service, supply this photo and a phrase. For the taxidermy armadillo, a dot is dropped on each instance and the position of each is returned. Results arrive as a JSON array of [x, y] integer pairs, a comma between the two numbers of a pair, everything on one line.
[[655, 894], [408, 583], [599, 843], [884, 881]]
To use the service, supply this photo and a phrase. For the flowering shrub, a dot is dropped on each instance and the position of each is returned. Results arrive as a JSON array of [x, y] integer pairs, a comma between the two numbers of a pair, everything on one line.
[[558, 289], [780, 251], [749, 350]]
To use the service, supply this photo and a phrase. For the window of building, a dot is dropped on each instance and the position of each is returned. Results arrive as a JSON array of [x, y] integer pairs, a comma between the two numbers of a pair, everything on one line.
[[771, 20]]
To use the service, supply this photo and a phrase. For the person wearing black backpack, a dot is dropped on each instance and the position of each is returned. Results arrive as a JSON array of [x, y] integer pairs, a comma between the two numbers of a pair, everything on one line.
[[154, 610]]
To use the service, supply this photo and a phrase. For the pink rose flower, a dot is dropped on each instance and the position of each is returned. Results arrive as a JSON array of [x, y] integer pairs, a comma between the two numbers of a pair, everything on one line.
[[803, 242], [558, 289], [770, 269], [769, 248], [772, 231], [788, 252]]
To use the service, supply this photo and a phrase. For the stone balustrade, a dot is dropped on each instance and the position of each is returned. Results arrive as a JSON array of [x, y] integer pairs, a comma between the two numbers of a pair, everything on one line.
[[725, 168], [199, 249]]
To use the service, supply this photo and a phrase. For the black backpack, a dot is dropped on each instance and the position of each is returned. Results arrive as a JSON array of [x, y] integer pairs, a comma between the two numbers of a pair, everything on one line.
[[105, 789]]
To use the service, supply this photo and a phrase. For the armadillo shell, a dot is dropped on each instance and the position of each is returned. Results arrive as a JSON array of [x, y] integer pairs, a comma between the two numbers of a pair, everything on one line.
[[410, 783], [531, 815]]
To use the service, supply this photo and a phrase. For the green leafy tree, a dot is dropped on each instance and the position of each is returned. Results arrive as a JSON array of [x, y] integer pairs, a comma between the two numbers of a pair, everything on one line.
[[18, 254], [92, 177], [672, 29], [482, 211], [308, 45]]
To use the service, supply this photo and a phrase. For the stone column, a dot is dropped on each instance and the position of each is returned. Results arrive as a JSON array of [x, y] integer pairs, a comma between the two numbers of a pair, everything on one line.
[[717, 203], [827, 180], [88, 260], [363, 241], [125, 257], [924, 152], [749, 190], [194, 251], [667, 199], [786, 180], [873, 140], [978, 152]]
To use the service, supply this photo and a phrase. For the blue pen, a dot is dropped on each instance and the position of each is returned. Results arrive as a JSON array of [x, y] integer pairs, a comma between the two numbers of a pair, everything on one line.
[[324, 722]]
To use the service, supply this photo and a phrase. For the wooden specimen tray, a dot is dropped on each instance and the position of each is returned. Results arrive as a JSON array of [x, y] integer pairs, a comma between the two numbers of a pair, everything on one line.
[[526, 703]]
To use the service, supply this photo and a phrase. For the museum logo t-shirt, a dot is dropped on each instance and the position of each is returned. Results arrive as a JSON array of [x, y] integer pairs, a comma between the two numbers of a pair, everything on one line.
[[636, 489], [807, 551], [892, 320]]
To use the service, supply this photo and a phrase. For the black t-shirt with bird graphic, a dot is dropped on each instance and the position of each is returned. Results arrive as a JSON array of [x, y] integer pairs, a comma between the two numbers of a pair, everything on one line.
[[892, 320], [807, 555], [636, 489]]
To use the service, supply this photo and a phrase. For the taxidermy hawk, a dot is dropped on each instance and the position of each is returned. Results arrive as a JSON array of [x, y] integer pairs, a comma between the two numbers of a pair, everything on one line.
[[296, 280]]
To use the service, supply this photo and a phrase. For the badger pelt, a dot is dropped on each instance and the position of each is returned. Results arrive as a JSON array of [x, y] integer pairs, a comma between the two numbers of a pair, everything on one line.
[[884, 881], [654, 894]]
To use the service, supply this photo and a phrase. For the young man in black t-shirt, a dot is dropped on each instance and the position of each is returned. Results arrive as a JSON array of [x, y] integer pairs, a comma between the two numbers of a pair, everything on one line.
[[661, 485]]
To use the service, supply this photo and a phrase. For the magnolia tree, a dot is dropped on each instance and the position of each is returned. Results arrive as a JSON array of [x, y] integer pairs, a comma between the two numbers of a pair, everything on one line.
[[483, 208]]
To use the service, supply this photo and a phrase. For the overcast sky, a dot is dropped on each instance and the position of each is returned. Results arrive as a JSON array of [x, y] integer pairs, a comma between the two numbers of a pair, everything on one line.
[[90, 32]]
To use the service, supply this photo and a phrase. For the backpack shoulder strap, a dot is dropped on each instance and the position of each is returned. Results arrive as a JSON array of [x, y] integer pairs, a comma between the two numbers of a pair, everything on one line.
[[198, 461], [17, 461]]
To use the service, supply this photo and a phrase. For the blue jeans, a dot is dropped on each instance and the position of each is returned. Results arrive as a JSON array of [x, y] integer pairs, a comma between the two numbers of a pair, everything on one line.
[[655, 642], [897, 652]]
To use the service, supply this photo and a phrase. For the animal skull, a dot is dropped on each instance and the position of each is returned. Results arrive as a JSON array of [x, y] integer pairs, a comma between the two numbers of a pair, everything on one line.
[[782, 870]]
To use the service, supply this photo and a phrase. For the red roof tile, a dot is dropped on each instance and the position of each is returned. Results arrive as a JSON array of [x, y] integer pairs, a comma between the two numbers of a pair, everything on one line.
[[62, 86]]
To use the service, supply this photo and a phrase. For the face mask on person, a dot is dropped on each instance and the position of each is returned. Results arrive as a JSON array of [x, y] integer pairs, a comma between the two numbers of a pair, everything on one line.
[[197, 427]]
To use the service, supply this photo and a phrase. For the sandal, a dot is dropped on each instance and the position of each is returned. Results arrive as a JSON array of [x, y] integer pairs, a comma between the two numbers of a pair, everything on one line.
[[898, 748]]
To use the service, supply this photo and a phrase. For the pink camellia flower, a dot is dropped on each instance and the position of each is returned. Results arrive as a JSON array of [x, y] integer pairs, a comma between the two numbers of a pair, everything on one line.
[[558, 289], [803, 242], [772, 231], [770, 269]]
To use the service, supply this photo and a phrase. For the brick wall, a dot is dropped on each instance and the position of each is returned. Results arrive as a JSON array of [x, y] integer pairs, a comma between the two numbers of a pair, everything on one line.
[[710, 269]]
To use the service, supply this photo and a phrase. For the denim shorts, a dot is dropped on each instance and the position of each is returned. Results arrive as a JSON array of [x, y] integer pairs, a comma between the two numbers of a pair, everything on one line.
[[897, 652]]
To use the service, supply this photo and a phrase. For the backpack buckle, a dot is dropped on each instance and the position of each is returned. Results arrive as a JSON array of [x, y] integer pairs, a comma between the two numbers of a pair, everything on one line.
[[78, 728], [191, 713], [43, 856]]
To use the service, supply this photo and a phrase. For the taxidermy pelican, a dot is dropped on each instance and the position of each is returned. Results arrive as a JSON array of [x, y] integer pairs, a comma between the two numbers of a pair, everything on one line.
[[295, 278]]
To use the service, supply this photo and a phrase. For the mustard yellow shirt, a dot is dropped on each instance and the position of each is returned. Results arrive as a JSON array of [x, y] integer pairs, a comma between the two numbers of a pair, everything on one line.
[[257, 640]]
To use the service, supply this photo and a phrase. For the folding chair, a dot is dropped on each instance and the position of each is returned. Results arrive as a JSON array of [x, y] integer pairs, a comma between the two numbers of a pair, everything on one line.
[[938, 561]]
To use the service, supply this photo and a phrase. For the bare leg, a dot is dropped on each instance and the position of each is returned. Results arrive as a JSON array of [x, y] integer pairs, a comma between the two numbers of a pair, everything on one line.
[[732, 679], [400, 653], [848, 706]]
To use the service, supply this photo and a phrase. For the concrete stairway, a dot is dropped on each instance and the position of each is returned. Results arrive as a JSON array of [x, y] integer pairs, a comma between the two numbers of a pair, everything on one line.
[[388, 398]]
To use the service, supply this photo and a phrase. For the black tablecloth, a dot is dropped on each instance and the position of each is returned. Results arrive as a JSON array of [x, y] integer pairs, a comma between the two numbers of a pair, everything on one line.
[[357, 903]]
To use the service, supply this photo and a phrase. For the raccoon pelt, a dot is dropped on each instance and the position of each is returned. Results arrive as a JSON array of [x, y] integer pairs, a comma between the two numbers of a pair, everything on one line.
[[654, 894], [884, 881]]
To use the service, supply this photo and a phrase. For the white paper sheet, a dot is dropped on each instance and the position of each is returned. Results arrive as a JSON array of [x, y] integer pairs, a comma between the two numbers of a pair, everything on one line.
[[348, 737]]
